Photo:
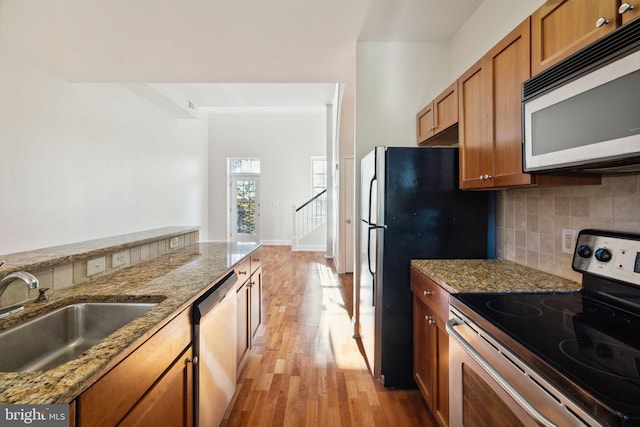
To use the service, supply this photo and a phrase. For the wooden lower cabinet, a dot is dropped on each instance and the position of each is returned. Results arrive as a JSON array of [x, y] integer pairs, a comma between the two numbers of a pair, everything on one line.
[[170, 400], [431, 344], [249, 305], [154, 371], [242, 325], [255, 302]]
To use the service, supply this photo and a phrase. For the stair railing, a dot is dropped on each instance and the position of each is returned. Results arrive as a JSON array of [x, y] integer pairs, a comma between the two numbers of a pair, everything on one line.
[[308, 217]]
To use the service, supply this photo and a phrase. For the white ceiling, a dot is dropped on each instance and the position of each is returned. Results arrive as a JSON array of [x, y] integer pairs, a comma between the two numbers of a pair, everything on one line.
[[218, 43]]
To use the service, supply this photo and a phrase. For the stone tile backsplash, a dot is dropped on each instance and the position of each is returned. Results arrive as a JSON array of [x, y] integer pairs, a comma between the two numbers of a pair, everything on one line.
[[68, 274], [529, 222]]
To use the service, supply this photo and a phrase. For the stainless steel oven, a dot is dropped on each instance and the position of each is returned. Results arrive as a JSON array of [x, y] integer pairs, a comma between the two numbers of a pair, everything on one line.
[[553, 358], [490, 386]]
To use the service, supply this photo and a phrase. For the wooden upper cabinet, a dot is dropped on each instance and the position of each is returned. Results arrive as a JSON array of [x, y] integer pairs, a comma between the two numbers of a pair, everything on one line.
[[508, 66], [490, 118], [490, 125], [562, 27], [424, 122], [476, 147], [445, 107], [629, 10], [439, 117]]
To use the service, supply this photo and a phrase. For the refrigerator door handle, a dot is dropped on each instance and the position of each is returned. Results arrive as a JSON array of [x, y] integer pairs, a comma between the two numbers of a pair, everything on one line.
[[370, 194], [370, 229]]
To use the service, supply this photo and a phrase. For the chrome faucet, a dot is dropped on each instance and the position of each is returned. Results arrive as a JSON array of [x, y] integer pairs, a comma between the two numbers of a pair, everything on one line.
[[28, 278]]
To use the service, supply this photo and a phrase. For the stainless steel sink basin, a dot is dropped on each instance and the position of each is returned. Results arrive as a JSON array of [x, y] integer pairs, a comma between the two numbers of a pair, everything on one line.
[[61, 335]]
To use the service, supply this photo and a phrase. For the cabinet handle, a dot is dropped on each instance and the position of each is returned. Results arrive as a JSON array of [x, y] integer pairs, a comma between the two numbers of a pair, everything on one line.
[[193, 360], [242, 272], [256, 259], [430, 320], [425, 293], [625, 7], [601, 22], [485, 176]]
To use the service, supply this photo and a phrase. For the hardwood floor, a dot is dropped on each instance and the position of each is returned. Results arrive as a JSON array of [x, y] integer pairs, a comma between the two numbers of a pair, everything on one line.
[[305, 368]]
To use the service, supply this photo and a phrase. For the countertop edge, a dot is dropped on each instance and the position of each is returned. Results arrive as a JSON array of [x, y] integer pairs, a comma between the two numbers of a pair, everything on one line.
[[78, 251], [490, 275]]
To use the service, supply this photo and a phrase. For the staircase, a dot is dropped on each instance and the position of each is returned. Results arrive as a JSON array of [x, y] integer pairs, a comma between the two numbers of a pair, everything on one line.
[[309, 221]]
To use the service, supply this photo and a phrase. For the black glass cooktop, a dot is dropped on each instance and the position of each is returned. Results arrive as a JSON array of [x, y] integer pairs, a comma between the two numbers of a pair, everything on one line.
[[593, 343]]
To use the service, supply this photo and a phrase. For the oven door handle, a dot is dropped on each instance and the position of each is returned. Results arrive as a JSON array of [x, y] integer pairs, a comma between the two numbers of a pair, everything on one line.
[[502, 382]]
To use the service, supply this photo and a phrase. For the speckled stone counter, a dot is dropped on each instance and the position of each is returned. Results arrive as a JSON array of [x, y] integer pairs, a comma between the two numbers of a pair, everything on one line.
[[480, 275], [48, 257], [174, 279]]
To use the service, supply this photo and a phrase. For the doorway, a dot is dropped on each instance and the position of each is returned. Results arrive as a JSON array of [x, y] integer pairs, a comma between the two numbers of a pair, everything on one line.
[[244, 200]]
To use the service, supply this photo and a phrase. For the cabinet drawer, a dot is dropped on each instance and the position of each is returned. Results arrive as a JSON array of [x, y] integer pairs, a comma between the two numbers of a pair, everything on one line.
[[427, 291], [243, 270], [109, 399], [255, 260]]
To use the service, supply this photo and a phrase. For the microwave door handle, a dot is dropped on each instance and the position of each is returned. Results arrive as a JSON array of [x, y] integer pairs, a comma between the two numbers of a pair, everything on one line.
[[506, 386]]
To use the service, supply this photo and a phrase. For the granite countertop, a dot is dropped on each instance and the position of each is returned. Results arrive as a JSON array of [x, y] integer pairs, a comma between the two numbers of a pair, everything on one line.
[[174, 279], [47, 257], [494, 275]]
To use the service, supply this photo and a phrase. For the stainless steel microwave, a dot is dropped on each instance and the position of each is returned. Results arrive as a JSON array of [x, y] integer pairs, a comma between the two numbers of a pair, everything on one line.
[[583, 114]]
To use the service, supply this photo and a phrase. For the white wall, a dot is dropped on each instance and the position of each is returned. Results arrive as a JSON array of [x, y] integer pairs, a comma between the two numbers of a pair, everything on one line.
[[490, 22], [284, 139], [83, 161], [394, 81]]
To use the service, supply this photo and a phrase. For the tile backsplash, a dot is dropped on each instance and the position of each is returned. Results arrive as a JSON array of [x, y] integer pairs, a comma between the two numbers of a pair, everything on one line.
[[529, 222], [65, 274]]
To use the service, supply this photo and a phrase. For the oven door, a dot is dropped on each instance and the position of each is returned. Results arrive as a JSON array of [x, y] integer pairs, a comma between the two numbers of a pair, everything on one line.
[[490, 386]]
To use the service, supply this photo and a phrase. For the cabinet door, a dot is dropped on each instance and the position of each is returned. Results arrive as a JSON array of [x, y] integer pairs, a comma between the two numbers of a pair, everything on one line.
[[170, 401], [111, 397], [629, 9], [562, 27], [424, 351], [445, 107], [255, 292], [424, 123], [441, 394], [476, 147], [242, 343], [508, 67]]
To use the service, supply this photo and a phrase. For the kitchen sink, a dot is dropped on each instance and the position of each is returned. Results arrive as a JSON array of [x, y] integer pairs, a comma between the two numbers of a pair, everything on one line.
[[61, 335]]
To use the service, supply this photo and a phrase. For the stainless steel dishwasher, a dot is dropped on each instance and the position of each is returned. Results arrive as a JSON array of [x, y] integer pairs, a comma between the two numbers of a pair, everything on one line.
[[214, 335]]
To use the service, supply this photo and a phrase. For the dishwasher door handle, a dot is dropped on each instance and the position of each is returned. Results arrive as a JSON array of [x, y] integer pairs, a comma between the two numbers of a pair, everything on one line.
[[211, 298]]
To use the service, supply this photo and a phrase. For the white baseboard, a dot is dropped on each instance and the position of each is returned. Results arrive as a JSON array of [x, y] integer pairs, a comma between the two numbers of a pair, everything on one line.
[[311, 248], [276, 242]]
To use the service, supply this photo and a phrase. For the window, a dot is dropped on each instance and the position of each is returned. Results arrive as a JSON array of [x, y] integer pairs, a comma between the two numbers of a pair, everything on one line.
[[318, 174], [244, 166]]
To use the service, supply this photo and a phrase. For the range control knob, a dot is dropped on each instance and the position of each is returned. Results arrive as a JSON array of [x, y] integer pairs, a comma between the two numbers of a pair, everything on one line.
[[584, 251], [603, 255]]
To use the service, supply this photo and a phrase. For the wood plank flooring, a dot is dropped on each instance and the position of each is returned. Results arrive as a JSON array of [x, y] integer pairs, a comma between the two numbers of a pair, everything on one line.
[[305, 368]]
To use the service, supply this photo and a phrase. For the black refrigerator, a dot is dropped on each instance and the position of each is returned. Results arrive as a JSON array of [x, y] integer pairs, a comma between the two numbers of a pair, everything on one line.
[[411, 208]]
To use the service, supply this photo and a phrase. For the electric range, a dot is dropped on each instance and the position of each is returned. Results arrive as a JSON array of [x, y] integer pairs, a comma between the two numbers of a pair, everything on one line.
[[586, 344]]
